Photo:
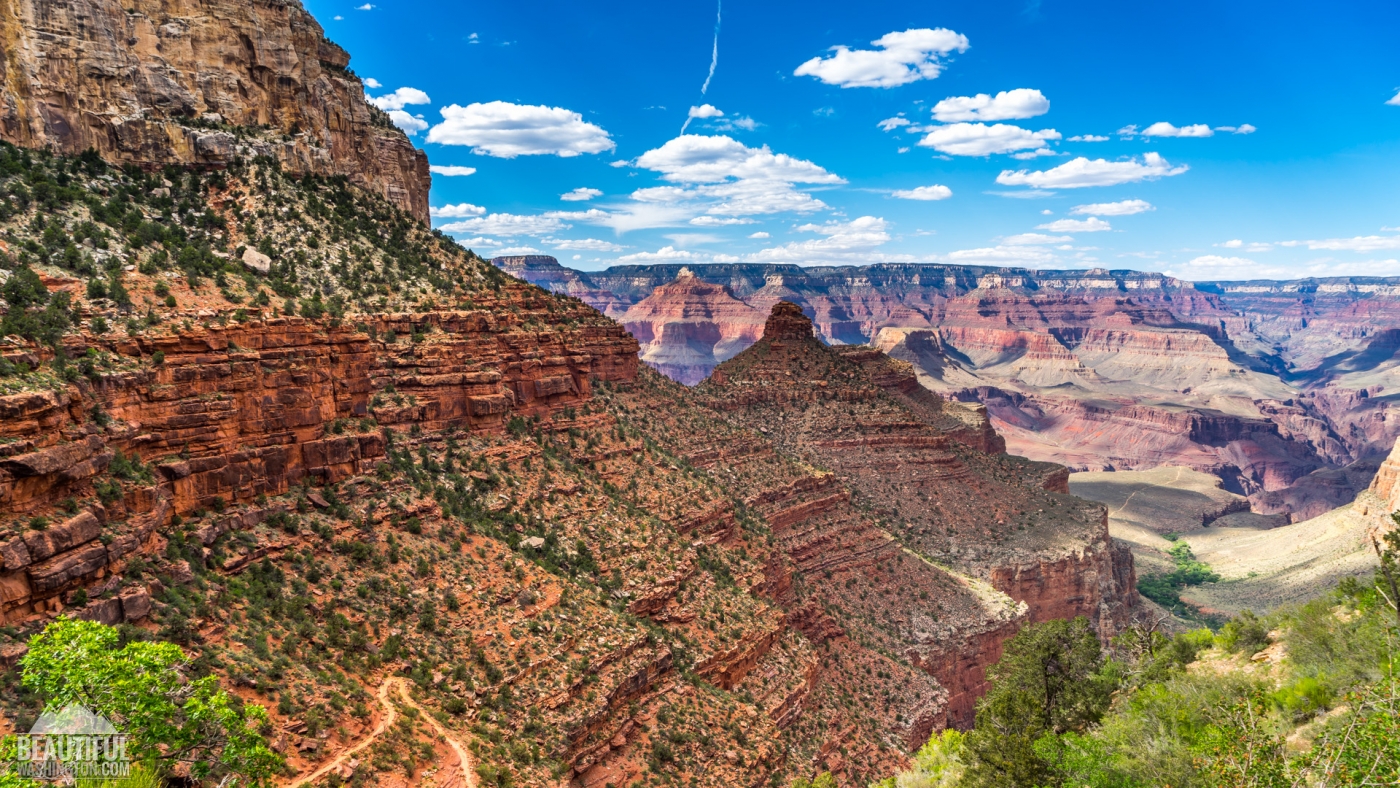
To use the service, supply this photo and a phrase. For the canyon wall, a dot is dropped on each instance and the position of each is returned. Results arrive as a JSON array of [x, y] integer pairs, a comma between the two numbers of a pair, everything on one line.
[[890, 580], [198, 82], [1386, 485], [231, 415], [1284, 390]]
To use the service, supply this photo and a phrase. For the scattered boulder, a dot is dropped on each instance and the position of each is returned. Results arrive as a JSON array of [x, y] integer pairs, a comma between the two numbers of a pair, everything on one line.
[[257, 260]]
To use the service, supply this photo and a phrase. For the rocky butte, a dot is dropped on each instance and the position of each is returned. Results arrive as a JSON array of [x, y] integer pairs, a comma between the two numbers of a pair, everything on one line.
[[1284, 390], [686, 327], [250, 404]]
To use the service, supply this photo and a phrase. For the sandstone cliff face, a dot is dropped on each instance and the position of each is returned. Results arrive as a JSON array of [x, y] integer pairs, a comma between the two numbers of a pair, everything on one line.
[[1386, 484], [237, 414], [198, 82], [999, 524]]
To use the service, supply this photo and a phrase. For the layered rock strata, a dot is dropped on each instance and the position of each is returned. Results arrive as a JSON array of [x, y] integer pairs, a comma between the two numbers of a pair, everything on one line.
[[1278, 388], [198, 82], [235, 414], [856, 412], [686, 327], [830, 627]]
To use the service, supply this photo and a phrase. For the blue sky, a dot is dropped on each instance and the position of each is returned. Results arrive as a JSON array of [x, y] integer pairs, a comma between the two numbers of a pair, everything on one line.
[[1254, 140]]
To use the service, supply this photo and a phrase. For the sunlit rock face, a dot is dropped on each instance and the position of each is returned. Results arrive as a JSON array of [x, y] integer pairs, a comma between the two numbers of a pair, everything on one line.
[[198, 82], [688, 326]]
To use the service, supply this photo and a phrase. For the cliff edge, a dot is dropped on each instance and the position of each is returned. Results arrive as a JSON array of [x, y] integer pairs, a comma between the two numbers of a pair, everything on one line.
[[198, 82]]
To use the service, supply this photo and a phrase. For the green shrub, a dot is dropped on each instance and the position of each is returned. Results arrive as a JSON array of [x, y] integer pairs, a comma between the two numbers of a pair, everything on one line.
[[1244, 633]]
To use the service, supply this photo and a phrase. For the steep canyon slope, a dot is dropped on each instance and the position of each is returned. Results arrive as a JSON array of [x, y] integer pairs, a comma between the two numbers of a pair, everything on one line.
[[261, 411], [1284, 390]]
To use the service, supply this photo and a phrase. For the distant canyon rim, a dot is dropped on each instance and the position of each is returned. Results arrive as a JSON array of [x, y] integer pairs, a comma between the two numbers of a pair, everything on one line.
[[1285, 390]]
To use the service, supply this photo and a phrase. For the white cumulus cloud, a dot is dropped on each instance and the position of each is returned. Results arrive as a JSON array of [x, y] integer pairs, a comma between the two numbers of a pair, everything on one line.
[[1248, 247], [1165, 129], [1120, 208], [760, 235], [662, 255], [851, 241], [1082, 172], [581, 194], [693, 158], [505, 130], [935, 192], [457, 211], [719, 221], [451, 170], [1088, 138], [890, 124], [900, 59], [411, 124], [1395, 100], [1034, 239], [718, 181], [1361, 243], [1214, 267], [979, 139], [1006, 105], [1004, 254], [507, 224], [372, 83], [584, 244], [399, 99], [705, 111], [1091, 225]]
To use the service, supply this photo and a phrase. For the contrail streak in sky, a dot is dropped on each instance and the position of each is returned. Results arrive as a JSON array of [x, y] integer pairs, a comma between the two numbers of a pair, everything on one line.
[[714, 58]]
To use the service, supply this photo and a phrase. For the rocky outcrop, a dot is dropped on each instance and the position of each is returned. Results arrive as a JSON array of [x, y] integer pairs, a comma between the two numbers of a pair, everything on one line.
[[998, 532], [1386, 484], [198, 82], [237, 413], [244, 411]]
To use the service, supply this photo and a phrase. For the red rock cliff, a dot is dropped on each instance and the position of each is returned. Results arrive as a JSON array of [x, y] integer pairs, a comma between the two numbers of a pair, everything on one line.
[[198, 82]]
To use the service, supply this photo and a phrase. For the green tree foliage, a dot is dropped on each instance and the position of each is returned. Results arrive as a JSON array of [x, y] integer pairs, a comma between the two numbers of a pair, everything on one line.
[[1165, 589], [33, 313], [145, 690], [940, 763], [1050, 680], [1327, 715]]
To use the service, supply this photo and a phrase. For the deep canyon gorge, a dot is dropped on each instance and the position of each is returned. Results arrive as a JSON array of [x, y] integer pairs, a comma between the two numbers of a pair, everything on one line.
[[454, 521], [1284, 390]]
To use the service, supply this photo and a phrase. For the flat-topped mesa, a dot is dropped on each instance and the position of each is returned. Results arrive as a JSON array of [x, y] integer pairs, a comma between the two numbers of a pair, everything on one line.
[[786, 322]]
